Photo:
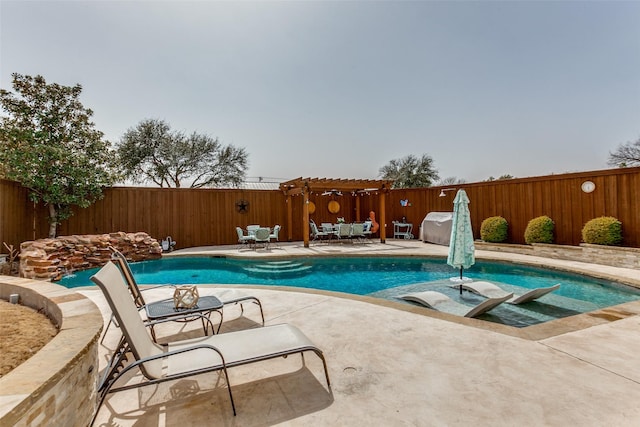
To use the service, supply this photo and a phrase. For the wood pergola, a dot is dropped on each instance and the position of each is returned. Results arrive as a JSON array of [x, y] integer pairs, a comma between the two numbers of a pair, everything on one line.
[[304, 187]]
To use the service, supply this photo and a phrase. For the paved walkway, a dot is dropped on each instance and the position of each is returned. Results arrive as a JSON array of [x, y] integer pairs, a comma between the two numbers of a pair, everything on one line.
[[397, 365]]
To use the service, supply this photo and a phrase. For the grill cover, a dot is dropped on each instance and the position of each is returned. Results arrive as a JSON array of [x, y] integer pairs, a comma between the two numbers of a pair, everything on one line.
[[436, 228]]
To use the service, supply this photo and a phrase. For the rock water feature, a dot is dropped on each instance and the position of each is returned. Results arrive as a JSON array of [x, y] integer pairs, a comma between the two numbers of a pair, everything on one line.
[[50, 259]]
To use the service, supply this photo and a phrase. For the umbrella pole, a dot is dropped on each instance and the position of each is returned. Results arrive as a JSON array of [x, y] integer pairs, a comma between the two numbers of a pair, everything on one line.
[[461, 280]]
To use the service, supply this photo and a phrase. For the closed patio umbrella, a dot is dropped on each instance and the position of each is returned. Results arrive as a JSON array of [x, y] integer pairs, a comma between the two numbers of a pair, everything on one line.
[[461, 247]]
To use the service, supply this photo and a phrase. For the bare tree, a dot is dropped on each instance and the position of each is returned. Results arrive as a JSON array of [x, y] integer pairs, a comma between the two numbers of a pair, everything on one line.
[[501, 177], [451, 180], [626, 155]]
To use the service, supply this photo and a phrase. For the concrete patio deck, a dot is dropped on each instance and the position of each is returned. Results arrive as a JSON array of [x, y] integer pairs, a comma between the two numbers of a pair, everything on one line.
[[395, 364]]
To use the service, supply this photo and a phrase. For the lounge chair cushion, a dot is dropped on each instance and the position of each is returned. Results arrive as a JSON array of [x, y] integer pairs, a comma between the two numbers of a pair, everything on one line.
[[238, 347]]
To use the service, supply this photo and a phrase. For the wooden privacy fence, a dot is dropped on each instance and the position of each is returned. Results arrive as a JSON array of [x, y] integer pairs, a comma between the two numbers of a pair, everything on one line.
[[17, 215], [616, 193], [200, 217]]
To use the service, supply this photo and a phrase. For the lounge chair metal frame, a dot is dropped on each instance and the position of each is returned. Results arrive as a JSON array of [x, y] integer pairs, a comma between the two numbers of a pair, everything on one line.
[[117, 367], [158, 309], [122, 308], [164, 309]]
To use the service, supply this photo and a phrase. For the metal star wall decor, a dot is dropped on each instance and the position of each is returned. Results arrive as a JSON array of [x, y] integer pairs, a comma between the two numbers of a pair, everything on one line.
[[242, 206]]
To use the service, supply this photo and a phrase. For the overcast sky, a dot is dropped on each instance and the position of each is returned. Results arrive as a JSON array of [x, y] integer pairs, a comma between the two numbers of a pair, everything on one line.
[[338, 89]]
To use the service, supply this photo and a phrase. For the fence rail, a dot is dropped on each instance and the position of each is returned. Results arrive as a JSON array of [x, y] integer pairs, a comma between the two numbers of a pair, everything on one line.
[[200, 217]]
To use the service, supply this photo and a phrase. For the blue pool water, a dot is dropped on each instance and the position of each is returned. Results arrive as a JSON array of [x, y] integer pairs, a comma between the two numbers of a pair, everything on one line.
[[388, 278]]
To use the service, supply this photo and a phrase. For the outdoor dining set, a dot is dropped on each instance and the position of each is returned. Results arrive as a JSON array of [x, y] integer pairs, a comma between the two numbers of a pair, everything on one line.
[[355, 232], [258, 235]]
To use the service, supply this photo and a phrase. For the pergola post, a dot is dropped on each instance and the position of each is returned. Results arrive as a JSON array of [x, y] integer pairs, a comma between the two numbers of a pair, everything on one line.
[[357, 207], [289, 202], [305, 216], [383, 216]]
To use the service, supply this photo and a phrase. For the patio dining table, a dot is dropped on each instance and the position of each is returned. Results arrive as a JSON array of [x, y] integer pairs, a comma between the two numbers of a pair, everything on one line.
[[252, 230]]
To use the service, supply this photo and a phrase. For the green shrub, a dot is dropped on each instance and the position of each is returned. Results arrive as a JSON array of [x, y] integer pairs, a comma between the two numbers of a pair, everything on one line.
[[605, 230], [494, 229], [539, 230]]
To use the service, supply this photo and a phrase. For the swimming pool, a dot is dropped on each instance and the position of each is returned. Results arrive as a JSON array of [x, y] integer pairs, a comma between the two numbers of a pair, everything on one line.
[[389, 277]]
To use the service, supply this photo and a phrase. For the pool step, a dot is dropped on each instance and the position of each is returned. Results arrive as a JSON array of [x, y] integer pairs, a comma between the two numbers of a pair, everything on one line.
[[278, 269]]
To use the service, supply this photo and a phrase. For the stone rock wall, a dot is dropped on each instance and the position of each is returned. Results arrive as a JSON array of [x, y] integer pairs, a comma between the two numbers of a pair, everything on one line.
[[50, 259], [615, 256]]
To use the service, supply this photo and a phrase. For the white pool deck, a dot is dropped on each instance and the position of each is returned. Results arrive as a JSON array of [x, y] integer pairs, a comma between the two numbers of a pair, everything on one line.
[[393, 364]]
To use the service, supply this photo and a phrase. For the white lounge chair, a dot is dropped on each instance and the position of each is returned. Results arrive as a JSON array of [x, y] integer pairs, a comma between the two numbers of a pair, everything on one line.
[[181, 359], [441, 302], [489, 290], [164, 309]]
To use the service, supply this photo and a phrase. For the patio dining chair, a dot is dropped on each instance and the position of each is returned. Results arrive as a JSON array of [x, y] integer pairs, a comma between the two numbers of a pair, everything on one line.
[[367, 229], [357, 231], [317, 234], [244, 240], [274, 235], [165, 309], [343, 231], [181, 359]]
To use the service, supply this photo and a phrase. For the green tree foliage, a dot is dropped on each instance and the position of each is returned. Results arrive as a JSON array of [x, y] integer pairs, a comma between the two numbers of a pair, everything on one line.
[[626, 155], [152, 152], [49, 144], [410, 172]]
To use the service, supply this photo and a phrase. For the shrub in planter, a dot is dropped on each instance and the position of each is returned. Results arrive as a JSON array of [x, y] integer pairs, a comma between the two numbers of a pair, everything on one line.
[[494, 229], [605, 230], [539, 230]]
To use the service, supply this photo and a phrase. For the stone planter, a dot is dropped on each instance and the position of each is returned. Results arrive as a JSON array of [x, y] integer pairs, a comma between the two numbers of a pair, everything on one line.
[[57, 385], [615, 256]]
